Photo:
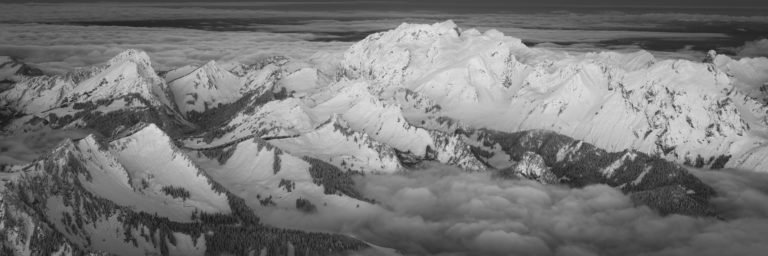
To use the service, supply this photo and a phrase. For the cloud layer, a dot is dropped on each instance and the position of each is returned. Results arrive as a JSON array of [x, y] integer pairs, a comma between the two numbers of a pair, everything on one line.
[[61, 48], [40, 32], [24, 148], [445, 211], [758, 48]]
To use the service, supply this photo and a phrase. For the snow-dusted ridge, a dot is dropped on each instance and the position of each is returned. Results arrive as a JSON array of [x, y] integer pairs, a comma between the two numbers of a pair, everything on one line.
[[141, 194], [225, 143], [207, 87], [688, 111]]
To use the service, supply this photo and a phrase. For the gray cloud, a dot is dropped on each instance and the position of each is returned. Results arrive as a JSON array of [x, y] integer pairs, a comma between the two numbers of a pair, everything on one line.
[[24, 148], [445, 211], [497, 18], [758, 48], [60, 48]]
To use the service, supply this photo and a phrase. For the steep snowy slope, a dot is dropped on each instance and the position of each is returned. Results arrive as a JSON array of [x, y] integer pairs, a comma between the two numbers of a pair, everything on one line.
[[386, 123], [107, 98], [274, 119], [157, 167], [351, 103], [336, 143], [88, 196], [303, 80], [37, 94], [262, 79], [364, 112], [684, 110], [265, 176], [71, 188], [130, 72], [122, 172], [205, 88], [177, 73], [217, 93]]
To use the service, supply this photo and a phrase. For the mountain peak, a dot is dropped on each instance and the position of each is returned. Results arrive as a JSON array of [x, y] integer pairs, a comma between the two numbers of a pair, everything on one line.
[[210, 70], [207, 87], [444, 26], [149, 130], [408, 31], [133, 55], [210, 64]]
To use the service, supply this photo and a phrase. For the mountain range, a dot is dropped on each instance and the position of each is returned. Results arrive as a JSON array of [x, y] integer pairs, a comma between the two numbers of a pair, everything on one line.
[[185, 161]]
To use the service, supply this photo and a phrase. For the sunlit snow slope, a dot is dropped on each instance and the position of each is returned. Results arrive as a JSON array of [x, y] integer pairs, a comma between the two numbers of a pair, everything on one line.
[[695, 112]]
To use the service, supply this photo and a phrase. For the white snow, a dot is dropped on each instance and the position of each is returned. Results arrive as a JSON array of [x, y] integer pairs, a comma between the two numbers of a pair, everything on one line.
[[302, 80], [37, 94], [640, 177], [249, 174], [613, 100], [335, 143], [179, 72], [130, 72], [205, 88], [609, 170], [364, 112], [150, 156]]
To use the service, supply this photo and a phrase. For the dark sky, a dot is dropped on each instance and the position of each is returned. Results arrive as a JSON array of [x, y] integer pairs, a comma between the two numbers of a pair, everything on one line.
[[693, 3]]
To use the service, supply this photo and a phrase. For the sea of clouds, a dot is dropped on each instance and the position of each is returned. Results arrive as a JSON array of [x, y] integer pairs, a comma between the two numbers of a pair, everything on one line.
[[25, 148], [758, 48], [441, 210], [61, 48], [52, 36]]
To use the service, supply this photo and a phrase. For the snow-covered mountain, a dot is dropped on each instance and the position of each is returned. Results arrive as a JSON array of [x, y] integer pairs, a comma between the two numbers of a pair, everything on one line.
[[701, 113], [107, 98], [136, 195], [187, 161], [125, 74], [204, 88]]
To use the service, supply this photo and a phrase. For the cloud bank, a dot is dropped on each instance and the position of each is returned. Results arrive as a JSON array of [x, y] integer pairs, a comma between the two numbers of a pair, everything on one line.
[[61, 48], [44, 34], [24, 148], [53, 12], [444, 211], [758, 48]]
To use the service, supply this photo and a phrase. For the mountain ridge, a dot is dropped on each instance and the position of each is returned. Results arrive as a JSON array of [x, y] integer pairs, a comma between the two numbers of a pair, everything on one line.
[[176, 174]]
